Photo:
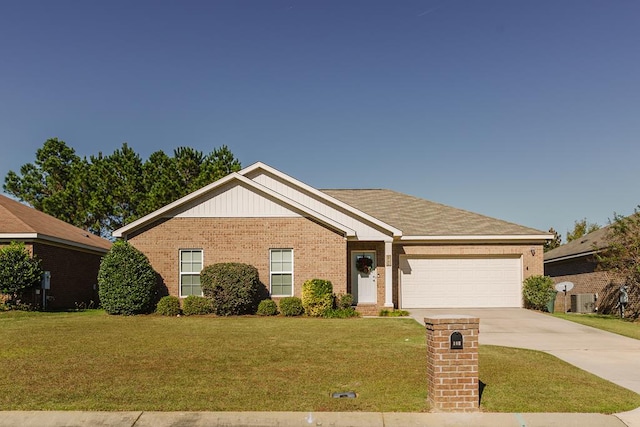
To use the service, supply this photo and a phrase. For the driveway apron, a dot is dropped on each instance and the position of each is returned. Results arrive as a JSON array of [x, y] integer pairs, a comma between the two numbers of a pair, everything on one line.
[[607, 355]]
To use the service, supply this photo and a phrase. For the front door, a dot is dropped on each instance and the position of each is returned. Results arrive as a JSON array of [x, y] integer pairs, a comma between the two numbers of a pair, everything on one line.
[[363, 277]]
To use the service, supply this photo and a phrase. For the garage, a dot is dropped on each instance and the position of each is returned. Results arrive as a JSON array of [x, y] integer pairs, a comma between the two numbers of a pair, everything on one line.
[[460, 282]]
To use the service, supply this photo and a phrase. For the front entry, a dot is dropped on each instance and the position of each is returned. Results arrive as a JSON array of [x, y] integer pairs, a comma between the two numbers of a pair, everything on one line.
[[363, 277]]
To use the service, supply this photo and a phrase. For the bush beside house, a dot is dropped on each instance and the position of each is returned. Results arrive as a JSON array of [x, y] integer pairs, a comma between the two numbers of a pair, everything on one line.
[[194, 305], [538, 291], [317, 297], [168, 306], [18, 272], [126, 281], [233, 288]]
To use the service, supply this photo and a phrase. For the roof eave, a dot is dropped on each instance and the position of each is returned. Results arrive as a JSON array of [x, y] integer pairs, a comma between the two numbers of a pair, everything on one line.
[[56, 240], [530, 238], [573, 256]]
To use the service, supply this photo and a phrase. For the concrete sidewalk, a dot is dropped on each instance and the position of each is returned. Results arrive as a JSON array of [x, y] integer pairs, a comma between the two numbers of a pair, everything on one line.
[[296, 419]]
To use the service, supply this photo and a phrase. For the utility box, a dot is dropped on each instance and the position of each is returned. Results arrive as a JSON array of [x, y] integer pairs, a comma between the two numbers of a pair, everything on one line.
[[583, 303]]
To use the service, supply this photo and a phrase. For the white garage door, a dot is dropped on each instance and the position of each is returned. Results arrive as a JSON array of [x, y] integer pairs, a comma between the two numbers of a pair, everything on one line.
[[460, 282]]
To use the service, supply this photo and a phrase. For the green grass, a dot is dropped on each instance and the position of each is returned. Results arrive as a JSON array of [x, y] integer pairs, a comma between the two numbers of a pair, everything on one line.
[[519, 380], [613, 324], [92, 361]]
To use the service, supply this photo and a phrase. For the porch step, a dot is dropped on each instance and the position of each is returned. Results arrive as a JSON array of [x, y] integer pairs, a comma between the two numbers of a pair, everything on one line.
[[367, 309]]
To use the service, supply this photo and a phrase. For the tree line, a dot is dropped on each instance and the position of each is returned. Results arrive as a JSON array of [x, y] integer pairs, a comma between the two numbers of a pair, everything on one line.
[[105, 192], [580, 228]]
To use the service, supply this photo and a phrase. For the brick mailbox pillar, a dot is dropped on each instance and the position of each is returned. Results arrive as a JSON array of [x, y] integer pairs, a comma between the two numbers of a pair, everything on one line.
[[452, 363]]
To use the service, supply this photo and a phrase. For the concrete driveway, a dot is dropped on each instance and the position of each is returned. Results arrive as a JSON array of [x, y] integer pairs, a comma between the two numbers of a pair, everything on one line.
[[609, 356]]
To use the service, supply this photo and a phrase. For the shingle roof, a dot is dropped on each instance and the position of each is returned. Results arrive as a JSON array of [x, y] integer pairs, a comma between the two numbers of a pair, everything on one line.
[[16, 219], [420, 217], [587, 244]]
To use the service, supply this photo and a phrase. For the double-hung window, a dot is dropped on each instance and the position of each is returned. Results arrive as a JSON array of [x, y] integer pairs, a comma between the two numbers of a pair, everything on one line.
[[190, 268], [281, 272]]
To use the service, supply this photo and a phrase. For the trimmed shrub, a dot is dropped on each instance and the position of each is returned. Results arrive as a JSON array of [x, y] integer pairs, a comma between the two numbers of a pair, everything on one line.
[[233, 288], [317, 297], [340, 313], [168, 306], [291, 306], [267, 307], [126, 280], [537, 292], [344, 300], [18, 272], [196, 305], [393, 313]]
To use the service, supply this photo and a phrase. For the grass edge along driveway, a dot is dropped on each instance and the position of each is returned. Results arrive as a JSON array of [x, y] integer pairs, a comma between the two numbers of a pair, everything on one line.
[[92, 361]]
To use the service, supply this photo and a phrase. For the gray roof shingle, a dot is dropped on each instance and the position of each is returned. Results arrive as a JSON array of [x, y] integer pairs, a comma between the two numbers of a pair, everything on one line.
[[587, 244], [420, 217]]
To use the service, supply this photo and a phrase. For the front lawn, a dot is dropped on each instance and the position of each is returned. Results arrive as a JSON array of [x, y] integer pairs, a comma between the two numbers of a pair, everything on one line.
[[614, 324], [92, 361]]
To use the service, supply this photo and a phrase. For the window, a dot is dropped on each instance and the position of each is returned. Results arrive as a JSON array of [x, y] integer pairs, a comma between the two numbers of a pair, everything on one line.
[[190, 267], [281, 272]]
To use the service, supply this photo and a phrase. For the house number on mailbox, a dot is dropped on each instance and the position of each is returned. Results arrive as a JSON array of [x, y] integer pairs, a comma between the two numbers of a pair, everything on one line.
[[456, 341]]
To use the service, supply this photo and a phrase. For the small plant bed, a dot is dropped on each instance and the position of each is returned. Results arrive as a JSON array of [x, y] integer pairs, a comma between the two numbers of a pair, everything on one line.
[[393, 313], [262, 363], [626, 327]]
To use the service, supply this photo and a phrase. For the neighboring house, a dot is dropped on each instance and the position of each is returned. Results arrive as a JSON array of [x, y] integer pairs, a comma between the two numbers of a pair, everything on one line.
[[421, 254], [71, 255], [575, 262]]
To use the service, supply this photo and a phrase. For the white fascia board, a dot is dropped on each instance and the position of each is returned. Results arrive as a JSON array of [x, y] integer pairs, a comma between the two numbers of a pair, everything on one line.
[[18, 236], [321, 195], [56, 240], [171, 206], [219, 183], [491, 238]]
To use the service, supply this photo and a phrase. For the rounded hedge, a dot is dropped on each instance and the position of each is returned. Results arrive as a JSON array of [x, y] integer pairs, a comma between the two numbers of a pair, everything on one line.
[[267, 307], [317, 297], [126, 280], [18, 271], [291, 306], [537, 292], [233, 288], [168, 306], [344, 301], [196, 305]]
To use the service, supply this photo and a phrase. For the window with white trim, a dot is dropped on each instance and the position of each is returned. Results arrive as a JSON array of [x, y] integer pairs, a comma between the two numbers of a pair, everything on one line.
[[281, 272], [190, 268]]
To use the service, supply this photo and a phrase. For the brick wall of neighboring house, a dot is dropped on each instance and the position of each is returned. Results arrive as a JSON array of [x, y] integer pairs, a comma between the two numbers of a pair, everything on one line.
[[318, 251], [586, 278], [74, 275], [532, 263]]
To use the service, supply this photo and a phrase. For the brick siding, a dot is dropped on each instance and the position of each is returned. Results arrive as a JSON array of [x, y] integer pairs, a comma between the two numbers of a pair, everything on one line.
[[452, 374], [587, 279], [74, 276], [318, 251]]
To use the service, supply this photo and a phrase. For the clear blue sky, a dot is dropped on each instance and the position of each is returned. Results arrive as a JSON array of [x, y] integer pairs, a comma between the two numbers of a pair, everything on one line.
[[524, 111]]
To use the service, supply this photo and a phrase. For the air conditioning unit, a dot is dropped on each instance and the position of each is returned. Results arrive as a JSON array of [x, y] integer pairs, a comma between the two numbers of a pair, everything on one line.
[[583, 303]]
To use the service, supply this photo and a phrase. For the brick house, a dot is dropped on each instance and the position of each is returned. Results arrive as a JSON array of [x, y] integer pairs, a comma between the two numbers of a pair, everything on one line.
[[71, 255], [386, 248], [576, 262]]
